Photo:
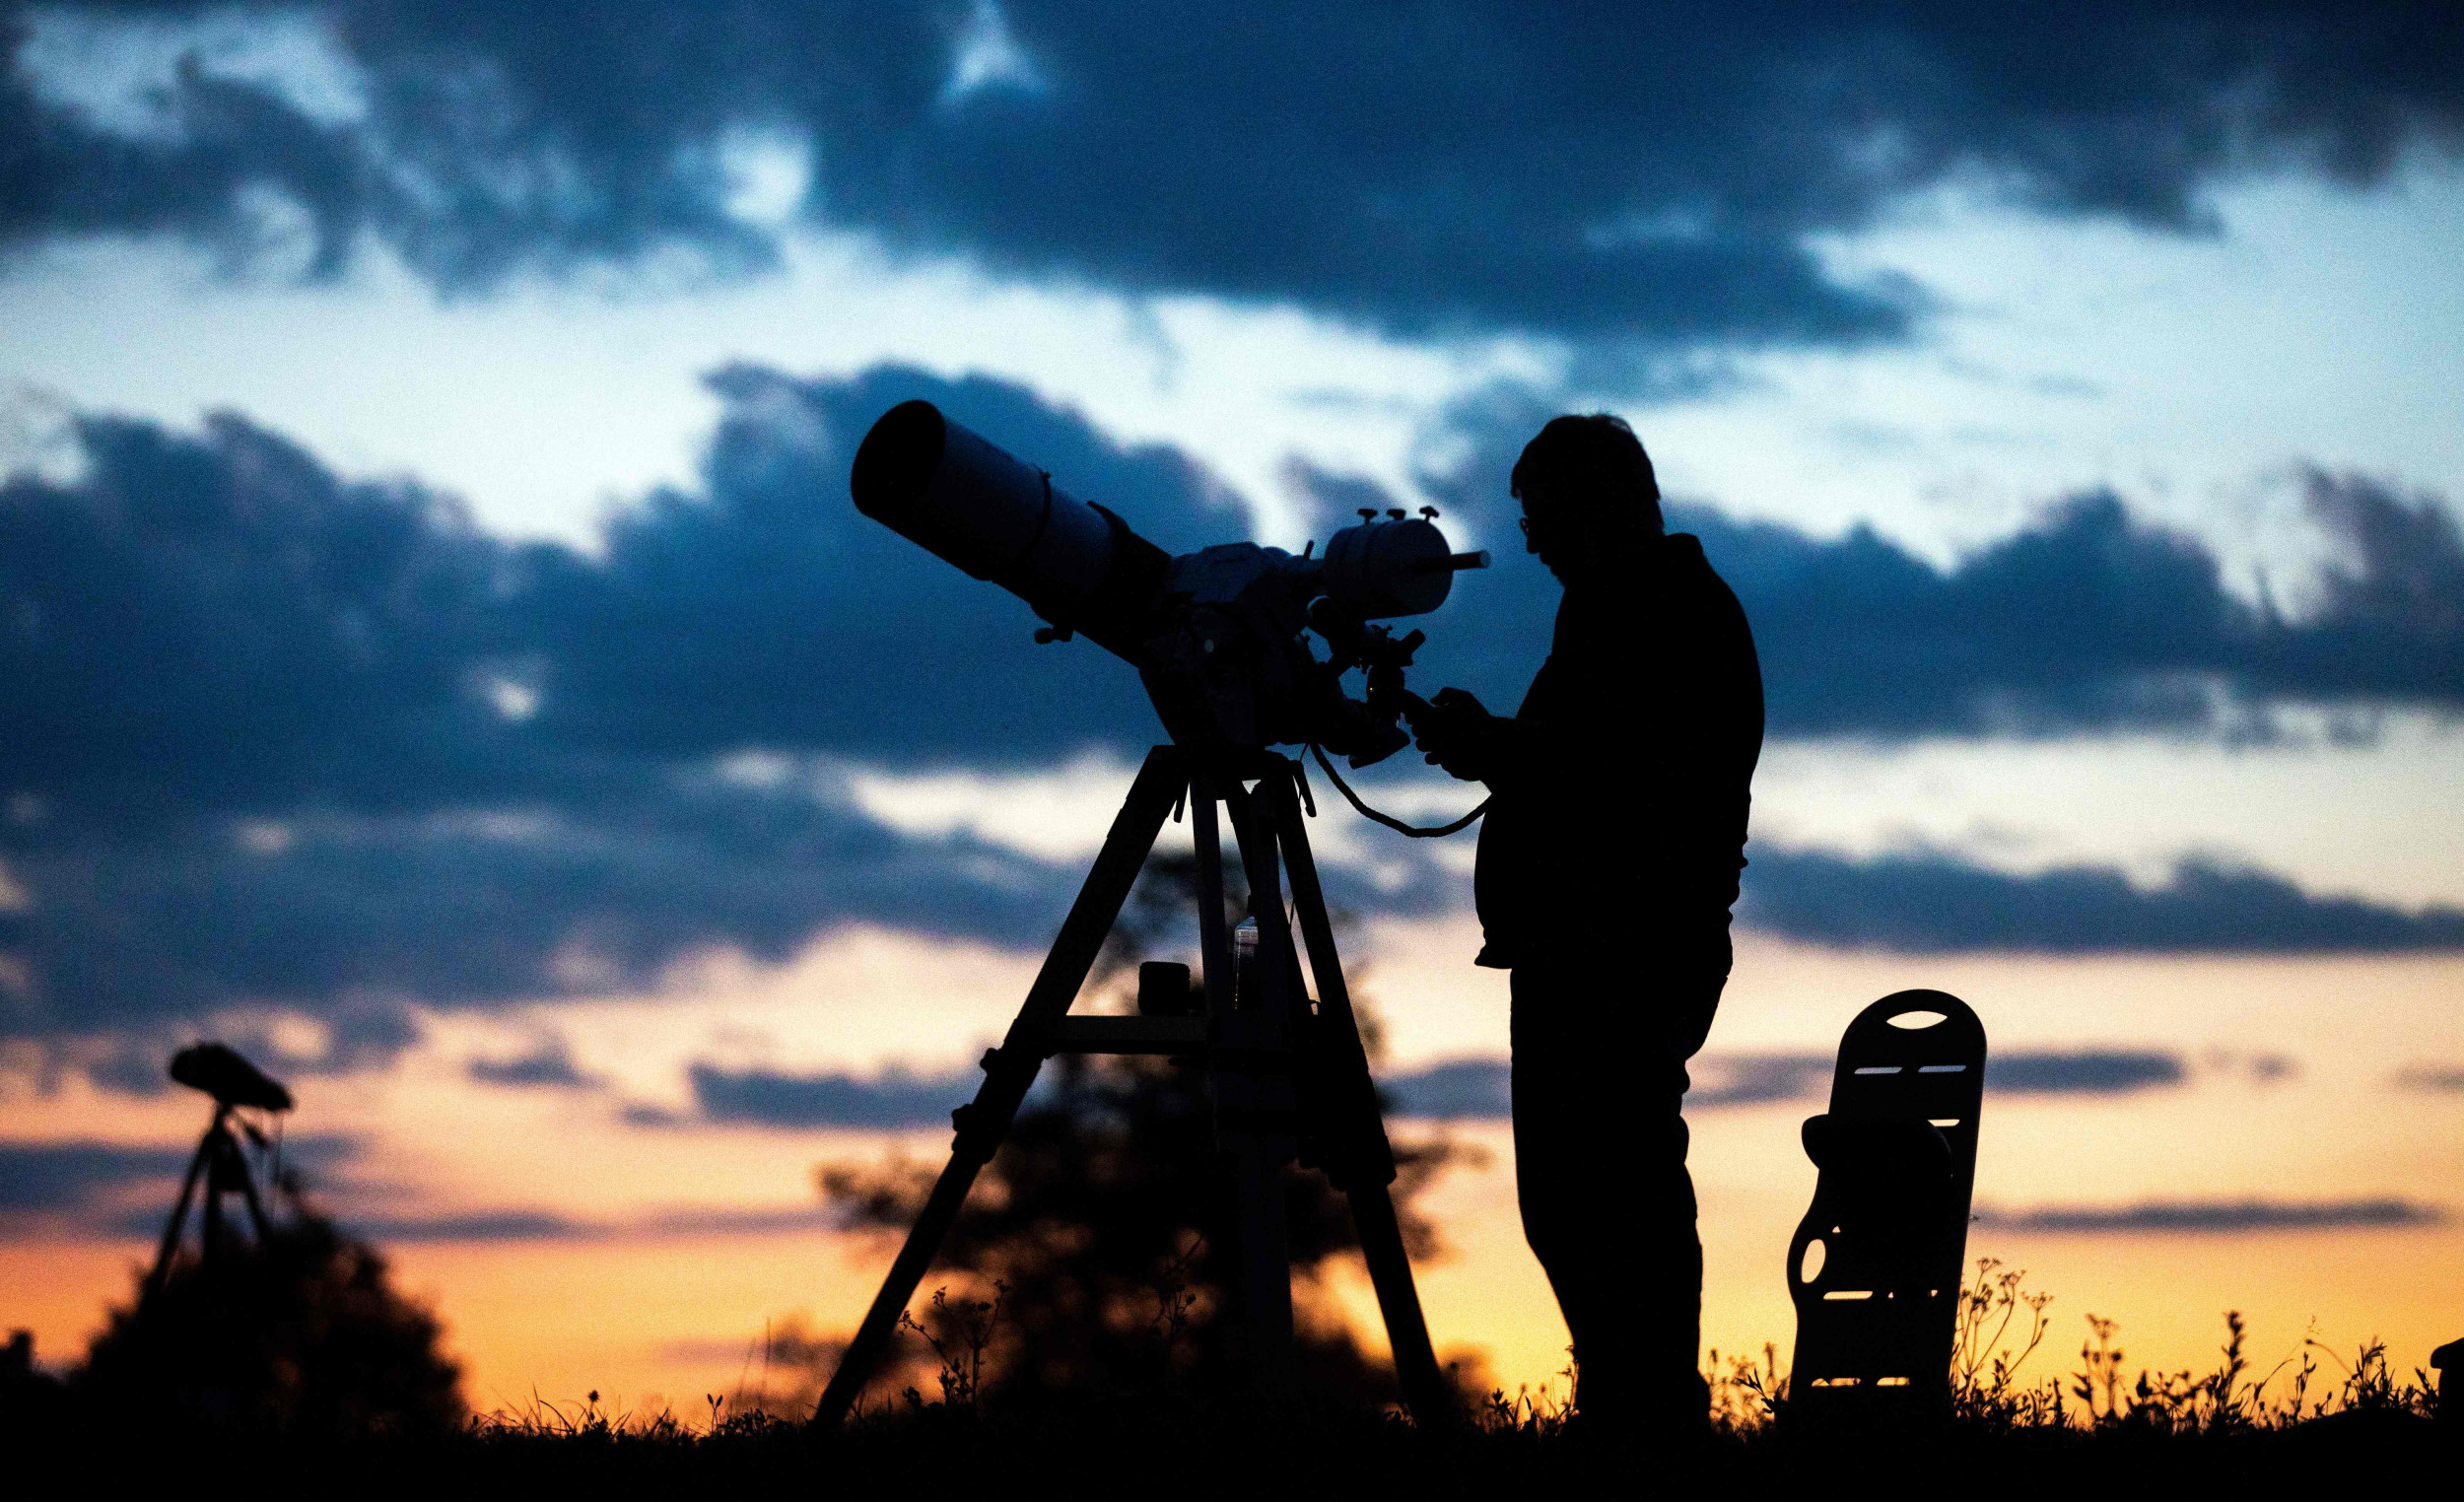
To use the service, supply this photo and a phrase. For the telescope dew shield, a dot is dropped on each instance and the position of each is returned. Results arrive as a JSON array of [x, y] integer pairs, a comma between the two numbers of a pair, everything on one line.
[[966, 501]]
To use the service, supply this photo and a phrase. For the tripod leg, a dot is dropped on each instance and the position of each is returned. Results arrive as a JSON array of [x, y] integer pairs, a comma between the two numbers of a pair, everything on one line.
[[247, 1189], [210, 1223], [1010, 1070], [1257, 1109], [1362, 1160], [1215, 945], [170, 1246]]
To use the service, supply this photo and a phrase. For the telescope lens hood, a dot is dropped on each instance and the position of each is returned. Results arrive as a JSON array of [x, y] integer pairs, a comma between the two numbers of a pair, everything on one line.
[[897, 459], [970, 502]]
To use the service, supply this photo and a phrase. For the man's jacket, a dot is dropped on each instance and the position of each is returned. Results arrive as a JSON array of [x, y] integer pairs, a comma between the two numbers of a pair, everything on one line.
[[1619, 814]]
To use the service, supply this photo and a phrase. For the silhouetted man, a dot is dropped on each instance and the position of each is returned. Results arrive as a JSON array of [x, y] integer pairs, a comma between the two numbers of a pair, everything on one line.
[[1607, 868]]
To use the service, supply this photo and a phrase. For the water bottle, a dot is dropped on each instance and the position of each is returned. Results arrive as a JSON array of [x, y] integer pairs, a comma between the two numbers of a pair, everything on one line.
[[1245, 963]]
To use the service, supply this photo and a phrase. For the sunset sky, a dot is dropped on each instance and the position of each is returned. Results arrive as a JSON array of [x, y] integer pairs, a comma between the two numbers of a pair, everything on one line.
[[439, 657]]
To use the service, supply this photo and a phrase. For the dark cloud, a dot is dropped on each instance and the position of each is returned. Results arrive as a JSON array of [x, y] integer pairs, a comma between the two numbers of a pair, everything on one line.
[[2391, 623], [2194, 1218], [768, 611], [478, 1226], [286, 739], [219, 620], [531, 1225], [2087, 1071], [1480, 1088], [484, 908], [1755, 1080], [75, 1176], [549, 1066], [770, 1097], [115, 1190], [1937, 901], [276, 738], [1331, 498], [1476, 166], [2434, 1079], [2087, 620]]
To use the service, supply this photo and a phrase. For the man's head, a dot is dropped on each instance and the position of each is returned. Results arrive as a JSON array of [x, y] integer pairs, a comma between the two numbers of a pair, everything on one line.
[[1587, 489]]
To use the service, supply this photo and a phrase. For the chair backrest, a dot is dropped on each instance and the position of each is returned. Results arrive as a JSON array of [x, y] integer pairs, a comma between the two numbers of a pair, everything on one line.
[[1874, 1269]]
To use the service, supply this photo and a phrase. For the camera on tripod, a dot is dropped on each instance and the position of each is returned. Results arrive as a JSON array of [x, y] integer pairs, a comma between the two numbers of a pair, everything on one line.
[[219, 1071], [1220, 636]]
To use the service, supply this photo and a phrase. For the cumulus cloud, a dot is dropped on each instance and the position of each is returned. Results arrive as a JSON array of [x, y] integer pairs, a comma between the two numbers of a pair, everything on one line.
[[2203, 1217], [2089, 619], [767, 612], [280, 739], [133, 931], [1475, 166]]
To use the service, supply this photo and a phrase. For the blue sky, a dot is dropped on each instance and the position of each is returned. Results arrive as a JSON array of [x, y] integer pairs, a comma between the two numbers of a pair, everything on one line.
[[2084, 384], [429, 597]]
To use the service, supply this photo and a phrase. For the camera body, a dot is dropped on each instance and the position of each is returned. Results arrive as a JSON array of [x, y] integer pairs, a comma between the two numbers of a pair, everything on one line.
[[219, 1071], [1219, 637]]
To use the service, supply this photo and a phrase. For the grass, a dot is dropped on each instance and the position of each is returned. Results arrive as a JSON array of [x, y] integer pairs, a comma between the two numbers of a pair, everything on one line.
[[2314, 1418]]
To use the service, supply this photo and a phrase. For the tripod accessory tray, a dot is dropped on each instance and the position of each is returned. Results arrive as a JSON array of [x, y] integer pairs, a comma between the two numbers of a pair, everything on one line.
[[1874, 1269]]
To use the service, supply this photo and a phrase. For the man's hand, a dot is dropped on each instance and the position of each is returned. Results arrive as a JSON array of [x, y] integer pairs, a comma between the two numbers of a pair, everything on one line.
[[1457, 733]]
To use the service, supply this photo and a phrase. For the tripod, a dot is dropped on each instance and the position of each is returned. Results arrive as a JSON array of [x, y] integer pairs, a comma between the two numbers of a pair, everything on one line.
[[223, 1170], [1288, 1079]]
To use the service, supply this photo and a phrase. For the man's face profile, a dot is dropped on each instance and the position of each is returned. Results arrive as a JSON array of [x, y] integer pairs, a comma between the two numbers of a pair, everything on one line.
[[1561, 536]]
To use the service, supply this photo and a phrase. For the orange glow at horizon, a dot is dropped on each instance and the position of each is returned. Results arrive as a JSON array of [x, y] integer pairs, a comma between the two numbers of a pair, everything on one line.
[[628, 1310]]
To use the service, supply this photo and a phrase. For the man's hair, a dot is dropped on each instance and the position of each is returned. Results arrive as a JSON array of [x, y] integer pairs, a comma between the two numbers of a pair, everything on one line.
[[1591, 462]]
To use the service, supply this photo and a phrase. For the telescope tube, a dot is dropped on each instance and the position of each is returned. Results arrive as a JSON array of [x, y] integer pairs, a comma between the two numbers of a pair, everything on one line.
[[966, 501]]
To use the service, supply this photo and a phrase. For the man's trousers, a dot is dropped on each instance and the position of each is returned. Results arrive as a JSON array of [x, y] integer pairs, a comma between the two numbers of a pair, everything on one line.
[[1599, 1051]]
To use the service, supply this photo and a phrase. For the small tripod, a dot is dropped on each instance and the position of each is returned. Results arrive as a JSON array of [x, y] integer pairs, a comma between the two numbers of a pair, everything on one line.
[[1288, 1079], [217, 1162]]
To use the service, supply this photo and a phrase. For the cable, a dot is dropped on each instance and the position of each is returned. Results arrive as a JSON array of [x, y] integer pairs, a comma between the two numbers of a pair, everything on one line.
[[1390, 821]]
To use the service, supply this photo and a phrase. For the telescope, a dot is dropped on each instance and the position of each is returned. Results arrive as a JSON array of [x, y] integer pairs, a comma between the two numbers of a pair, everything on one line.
[[1221, 637], [1218, 635]]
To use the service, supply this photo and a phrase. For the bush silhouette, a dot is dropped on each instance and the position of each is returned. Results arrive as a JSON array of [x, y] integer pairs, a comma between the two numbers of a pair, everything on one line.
[[304, 1333]]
